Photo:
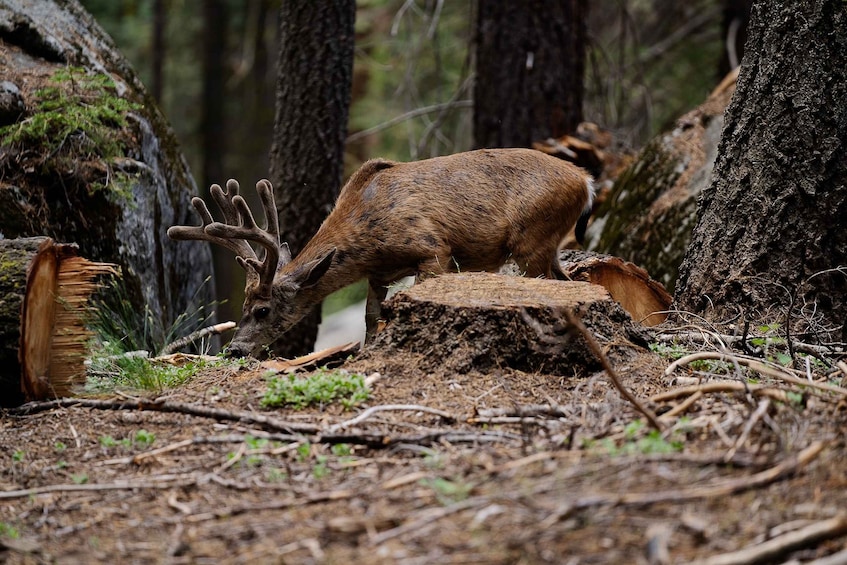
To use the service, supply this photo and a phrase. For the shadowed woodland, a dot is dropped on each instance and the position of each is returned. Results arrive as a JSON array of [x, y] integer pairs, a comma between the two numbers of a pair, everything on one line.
[[680, 398]]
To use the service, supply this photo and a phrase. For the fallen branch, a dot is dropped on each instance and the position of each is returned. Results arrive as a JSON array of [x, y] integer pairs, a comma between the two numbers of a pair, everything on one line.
[[730, 486], [753, 365], [774, 549], [429, 516], [161, 481], [194, 336], [285, 503], [389, 407], [595, 348], [169, 407], [728, 386]]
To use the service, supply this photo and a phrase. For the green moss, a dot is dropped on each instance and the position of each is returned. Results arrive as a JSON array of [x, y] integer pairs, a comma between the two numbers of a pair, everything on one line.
[[78, 118]]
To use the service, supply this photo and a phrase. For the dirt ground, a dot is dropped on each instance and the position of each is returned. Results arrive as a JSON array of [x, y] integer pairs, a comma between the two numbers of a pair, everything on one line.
[[441, 466]]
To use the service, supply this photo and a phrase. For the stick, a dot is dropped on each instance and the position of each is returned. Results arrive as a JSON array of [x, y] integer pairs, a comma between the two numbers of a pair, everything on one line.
[[755, 417], [754, 365], [773, 549], [729, 386], [388, 407], [194, 336], [607, 366]]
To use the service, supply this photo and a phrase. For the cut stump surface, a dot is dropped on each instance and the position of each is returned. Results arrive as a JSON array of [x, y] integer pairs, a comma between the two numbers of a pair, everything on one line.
[[482, 321]]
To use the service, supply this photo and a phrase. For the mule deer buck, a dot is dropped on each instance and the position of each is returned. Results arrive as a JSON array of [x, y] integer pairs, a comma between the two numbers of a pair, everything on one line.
[[469, 211]]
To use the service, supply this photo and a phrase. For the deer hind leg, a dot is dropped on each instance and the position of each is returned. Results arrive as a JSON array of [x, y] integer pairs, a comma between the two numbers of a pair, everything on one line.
[[542, 262], [373, 309]]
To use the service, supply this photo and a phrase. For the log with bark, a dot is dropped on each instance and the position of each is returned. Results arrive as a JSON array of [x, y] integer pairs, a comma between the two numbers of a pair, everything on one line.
[[45, 287], [650, 211], [483, 321]]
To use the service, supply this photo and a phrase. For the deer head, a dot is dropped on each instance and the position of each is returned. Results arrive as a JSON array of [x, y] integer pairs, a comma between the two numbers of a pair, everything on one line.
[[271, 304]]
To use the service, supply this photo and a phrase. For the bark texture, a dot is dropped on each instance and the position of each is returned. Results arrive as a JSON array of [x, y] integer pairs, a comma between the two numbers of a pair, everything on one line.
[[530, 60], [478, 321], [38, 39], [651, 209], [312, 100], [15, 257], [772, 229]]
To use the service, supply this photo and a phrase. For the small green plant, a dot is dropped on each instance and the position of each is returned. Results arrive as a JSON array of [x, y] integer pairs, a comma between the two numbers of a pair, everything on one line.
[[320, 468], [79, 479], [322, 387], [341, 450], [256, 442], [304, 451], [108, 441], [144, 438], [18, 456], [59, 446], [9, 531], [448, 492], [275, 475], [651, 442]]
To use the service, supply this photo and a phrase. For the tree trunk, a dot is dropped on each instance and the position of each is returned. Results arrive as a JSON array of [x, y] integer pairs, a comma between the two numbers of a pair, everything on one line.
[[212, 125], [771, 240], [530, 59], [312, 101], [160, 21]]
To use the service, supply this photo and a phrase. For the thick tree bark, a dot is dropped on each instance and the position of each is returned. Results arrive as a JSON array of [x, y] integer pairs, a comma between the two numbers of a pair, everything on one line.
[[771, 241], [530, 59], [312, 101], [121, 221]]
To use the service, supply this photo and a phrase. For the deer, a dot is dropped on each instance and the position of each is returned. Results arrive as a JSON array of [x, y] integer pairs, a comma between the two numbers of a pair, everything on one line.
[[470, 211]]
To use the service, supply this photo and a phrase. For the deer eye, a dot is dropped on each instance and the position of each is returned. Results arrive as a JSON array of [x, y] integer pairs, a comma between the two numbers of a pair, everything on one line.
[[261, 312]]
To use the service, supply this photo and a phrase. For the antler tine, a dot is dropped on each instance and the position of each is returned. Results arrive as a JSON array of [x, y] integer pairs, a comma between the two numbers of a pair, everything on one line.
[[239, 247], [248, 230]]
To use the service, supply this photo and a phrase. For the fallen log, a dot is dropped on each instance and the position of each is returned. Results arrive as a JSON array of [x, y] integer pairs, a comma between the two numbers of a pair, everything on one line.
[[45, 288], [645, 299]]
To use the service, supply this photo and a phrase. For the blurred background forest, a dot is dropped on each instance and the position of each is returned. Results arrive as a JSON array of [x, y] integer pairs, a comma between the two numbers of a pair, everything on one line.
[[648, 61], [212, 66]]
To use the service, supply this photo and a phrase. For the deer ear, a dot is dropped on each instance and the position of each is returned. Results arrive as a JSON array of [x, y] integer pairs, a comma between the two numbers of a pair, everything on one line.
[[314, 270]]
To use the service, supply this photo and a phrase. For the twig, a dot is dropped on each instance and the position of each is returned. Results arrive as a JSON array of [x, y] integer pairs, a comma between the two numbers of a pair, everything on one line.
[[290, 502], [773, 549], [753, 365], [595, 348], [165, 406], [728, 386], [160, 481], [755, 417], [408, 116], [428, 517], [529, 410], [389, 407], [707, 337], [682, 406], [194, 336], [722, 488]]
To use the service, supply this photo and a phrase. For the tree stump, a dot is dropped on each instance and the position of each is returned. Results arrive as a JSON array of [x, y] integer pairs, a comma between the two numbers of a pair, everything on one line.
[[44, 287], [484, 321]]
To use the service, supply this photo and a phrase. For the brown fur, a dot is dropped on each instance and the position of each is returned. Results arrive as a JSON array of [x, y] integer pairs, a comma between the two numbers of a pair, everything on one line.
[[470, 211]]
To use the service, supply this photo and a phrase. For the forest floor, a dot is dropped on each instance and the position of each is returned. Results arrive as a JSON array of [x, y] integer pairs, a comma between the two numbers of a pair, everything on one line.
[[440, 466]]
